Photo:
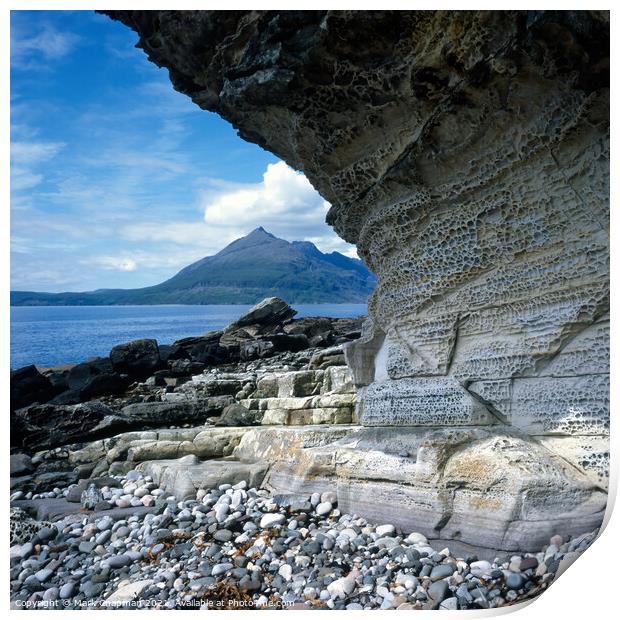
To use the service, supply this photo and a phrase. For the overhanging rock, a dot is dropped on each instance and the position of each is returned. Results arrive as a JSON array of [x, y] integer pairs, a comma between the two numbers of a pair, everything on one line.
[[466, 154]]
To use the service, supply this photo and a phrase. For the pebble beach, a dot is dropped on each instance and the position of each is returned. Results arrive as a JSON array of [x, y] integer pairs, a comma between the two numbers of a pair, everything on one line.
[[235, 547]]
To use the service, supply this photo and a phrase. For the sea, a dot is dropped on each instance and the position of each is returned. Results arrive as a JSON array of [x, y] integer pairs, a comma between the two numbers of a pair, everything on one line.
[[53, 335]]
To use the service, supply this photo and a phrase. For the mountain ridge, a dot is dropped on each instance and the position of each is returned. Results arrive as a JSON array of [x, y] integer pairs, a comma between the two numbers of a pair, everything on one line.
[[247, 270]]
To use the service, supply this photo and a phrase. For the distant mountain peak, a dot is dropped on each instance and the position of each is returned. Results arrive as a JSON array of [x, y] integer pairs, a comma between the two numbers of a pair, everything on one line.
[[260, 231], [247, 270]]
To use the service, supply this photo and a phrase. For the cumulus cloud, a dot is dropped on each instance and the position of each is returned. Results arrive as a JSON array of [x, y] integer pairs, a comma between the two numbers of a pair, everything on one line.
[[285, 203], [282, 194]]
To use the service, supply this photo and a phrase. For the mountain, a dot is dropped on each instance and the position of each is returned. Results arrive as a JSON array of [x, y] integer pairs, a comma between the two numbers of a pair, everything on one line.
[[256, 266]]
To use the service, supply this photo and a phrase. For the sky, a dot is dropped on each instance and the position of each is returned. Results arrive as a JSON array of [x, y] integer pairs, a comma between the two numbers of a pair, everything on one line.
[[117, 180]]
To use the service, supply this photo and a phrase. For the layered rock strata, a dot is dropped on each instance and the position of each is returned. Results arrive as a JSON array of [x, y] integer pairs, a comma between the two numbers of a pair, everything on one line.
[[486, 487], [466, 154], [146, 385]]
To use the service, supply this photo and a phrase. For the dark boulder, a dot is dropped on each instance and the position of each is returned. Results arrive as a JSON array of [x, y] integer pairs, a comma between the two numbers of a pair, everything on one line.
[[95, 377], [183, 368], [138, 359], [255, 349], [204, 349], [318, 330], [266, 346], [166, 351], [140, 415], [289, 342], [68, 397], [20, 464], [47, 426], [177, 351], [178, 372], [47, 480], [58, 376], [347, 329], [269, 312], [29, 386]]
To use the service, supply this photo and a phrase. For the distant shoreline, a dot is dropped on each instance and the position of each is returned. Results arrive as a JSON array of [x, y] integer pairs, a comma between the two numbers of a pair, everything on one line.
[[51, 335], [179, 305]]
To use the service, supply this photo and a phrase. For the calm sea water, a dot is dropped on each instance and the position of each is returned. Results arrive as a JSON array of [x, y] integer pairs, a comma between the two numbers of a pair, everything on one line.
[[50, 335]]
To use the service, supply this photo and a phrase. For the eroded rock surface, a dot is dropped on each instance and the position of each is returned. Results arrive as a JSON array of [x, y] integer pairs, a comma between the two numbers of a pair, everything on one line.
[[466, 154], [490, 487]]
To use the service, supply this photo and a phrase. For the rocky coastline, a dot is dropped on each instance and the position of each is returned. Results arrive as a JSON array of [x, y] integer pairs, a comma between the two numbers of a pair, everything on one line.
[[158, 478], [451, 451], [146, 400], [466, 155]]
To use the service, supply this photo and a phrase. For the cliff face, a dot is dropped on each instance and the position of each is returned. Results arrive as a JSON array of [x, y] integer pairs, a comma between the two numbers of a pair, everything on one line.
[[466, 154]]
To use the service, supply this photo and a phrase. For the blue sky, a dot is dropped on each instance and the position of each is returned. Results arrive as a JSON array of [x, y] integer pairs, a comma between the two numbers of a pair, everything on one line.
[[117, 180]]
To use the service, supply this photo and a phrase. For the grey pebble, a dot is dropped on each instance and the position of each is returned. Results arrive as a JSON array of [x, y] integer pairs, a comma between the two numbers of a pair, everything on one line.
[[118, 561], [438, 591]]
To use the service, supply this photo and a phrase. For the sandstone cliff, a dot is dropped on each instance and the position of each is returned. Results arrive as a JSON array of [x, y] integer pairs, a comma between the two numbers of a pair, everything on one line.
[[466, 154]]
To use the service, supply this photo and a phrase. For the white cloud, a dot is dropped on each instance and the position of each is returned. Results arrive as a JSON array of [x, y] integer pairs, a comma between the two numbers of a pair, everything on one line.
[[22, 178], [283, 194], [28, 153], [25, 157], [284, 203], [114, 263], [48, 44]]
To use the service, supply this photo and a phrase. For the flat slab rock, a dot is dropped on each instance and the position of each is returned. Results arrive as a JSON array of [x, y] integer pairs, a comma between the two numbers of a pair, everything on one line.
[[184, 476], [490, 487], [53, 509]]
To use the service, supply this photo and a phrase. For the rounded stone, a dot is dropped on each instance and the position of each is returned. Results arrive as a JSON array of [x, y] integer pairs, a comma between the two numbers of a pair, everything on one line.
[[51, 594], [219, 569], [416, 538], [68, 590], [221, 512], [514, 581], [223, 535], [480, 568], [385, 530], [438, 591], [118, 561], [451, 603], [271, 519], [442, 571], [43, 575], [324, 508]]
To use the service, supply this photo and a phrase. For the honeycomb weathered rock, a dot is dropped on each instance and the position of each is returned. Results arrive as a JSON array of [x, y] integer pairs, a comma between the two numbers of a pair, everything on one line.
[[466, 154]]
